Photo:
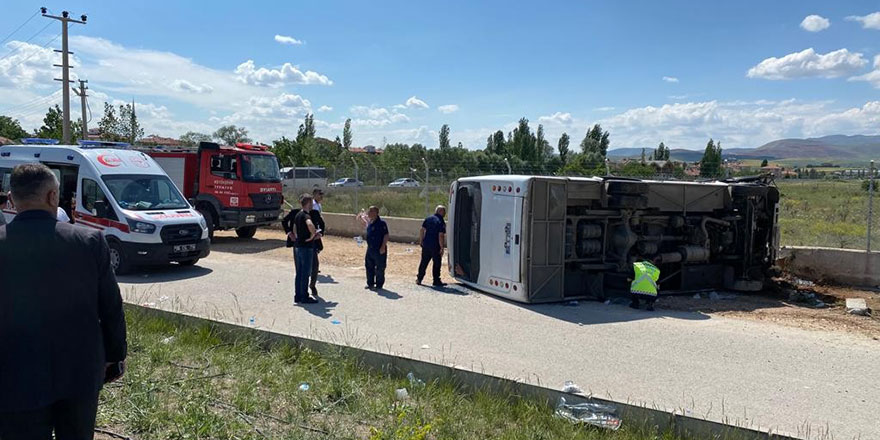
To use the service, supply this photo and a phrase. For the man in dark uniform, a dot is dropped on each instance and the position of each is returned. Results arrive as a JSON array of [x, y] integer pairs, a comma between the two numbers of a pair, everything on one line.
[[62, 328], [304, 250], [377, 249], [432, 237], [315, 214]]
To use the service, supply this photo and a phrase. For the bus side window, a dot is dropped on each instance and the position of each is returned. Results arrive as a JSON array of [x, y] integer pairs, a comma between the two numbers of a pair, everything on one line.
[[95, 202]]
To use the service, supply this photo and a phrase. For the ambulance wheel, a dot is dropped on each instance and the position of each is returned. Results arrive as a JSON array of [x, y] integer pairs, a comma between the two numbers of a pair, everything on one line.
[[118, 260], [188, 262], [208, 214], [246, 232]]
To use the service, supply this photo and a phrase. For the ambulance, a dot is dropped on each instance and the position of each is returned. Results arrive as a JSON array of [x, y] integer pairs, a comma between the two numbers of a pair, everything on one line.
[[123, 193]]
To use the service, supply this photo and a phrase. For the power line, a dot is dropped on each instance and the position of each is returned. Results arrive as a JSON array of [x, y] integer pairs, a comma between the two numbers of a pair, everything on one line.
[[21, 26], [33, 53], [27, 41]]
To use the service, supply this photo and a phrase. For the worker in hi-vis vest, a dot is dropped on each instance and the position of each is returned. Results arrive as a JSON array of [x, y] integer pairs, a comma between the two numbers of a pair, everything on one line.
[[644, 284]]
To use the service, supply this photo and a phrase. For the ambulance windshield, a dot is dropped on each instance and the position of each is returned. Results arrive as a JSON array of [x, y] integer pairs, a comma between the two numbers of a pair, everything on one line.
[[145, 192]]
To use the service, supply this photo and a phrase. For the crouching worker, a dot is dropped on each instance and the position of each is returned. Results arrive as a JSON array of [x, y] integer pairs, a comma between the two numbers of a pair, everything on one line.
[[644, 284]]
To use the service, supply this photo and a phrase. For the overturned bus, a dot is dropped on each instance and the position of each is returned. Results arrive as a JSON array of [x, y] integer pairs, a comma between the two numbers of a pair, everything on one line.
[[542, 239]]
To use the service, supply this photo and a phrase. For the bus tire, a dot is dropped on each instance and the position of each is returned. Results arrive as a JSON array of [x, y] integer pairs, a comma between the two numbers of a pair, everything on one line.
[[208, 214], [246, 232], [118, 260]]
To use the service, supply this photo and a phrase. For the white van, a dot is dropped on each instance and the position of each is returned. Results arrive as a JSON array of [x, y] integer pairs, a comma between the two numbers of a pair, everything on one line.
[[123, 193]]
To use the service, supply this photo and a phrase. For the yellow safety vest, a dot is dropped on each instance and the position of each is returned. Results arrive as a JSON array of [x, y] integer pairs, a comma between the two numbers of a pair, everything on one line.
[[645, 281]]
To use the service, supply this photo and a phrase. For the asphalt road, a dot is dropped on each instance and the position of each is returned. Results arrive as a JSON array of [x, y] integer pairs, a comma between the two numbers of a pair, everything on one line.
[[751, 373]]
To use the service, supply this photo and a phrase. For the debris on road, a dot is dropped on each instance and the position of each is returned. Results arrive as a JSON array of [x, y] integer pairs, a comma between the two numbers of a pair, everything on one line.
[[596, 414], [252, 321], [168, 340], [304, 386], [807, 298], [425, 347], [401, 394], [857, 306], [335, 322], [414, 381], [572, 388]]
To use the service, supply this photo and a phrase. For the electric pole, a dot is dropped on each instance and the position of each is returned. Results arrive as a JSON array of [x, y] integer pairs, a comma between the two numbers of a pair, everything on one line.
[[82, 98], [65, 68]]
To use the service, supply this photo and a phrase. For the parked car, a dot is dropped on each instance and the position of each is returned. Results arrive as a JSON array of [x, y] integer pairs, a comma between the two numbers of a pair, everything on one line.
[[405, 182], [346, 181]]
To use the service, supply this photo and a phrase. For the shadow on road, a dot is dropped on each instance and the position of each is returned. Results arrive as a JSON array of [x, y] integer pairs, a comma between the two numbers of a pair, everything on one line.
[[245, 246], [163, 274], [385, 293], [326, 279], [452, 289], [321, 309]]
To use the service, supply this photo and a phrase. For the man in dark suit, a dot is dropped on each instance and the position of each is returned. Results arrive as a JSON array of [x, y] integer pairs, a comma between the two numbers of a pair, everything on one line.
[[62, 328], [287, 224]]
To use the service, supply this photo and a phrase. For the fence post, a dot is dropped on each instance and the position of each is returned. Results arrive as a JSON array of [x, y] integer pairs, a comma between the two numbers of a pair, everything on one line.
[[357, 187], [870, 205], [427, 186]]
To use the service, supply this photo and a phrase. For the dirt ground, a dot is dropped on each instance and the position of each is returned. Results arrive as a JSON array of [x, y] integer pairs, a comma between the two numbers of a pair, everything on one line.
[[771, 306]]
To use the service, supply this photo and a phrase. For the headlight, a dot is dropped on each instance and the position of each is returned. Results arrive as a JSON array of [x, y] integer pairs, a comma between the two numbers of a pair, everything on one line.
[[202, 222], [141, 227]]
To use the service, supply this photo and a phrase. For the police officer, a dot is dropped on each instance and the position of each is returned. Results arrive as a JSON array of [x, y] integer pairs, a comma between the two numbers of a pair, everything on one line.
[[644, 284], [377, 249], [432, 237]]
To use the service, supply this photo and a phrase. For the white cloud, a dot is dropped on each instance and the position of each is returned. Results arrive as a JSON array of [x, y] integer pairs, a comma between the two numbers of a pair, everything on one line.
[[670, 79], [558, 118], [416, 102], [603, 109], [376, 116], [870, 21], [288, 74], [448, 108], [325, 108], [284, 39], [807, 63], [183, 85], [815, 23], [872, 77]]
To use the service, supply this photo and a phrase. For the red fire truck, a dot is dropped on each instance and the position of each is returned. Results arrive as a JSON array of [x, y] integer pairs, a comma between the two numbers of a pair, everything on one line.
[[233, 187]]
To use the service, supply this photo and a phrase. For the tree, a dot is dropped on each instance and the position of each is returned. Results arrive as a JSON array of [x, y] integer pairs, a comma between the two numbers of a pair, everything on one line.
[[444, 137], [109, 123], [764, 163], [120, 125], [11, 128], [230, 134], [346, 134], [710, 164], [193, 138], [662, 152], [522, 143], [596, 141], [562, 146], [53, 123], [643, 156]]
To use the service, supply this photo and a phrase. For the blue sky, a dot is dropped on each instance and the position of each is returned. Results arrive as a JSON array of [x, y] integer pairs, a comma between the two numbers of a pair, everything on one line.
[[678, 72]]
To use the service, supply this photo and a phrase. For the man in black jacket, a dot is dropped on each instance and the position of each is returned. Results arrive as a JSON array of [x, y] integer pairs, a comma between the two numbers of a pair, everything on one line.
[[62, 328], [287, 224]]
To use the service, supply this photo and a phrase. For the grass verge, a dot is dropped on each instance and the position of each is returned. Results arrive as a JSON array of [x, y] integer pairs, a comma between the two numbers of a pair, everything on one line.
[[195, 382], [825, 213]]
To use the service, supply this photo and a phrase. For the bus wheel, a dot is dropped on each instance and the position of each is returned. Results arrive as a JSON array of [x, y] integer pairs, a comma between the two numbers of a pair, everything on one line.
[[118, 261], [246, 232]]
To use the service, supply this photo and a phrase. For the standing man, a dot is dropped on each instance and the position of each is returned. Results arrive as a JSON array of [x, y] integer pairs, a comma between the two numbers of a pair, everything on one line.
[[377, 249], [318, 198], [304, 250], [62, 328], [318, 221], [644, 284], [432, 237]]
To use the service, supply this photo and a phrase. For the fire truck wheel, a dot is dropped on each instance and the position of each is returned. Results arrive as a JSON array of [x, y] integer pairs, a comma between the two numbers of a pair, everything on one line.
[[209, 219], [246, 232], [118, 260], [188, 262]]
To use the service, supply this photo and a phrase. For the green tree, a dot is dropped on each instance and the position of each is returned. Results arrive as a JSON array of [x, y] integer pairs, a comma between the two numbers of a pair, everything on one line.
[[522, 144], [596, 141], [11, 129], [346, 134], [562, 146], [193, 138], [643, 155], [444, 137], [710, 164], [109, 123], [661, 153], [230, 134], [53, 123], [764, 163], [129, 128]]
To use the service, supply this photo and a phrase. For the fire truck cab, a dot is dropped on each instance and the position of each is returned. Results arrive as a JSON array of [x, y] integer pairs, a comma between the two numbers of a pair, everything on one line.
[[121, 192], [233, 187]]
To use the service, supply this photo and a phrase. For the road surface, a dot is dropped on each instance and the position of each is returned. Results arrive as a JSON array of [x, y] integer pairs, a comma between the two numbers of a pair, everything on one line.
[[745, 372]]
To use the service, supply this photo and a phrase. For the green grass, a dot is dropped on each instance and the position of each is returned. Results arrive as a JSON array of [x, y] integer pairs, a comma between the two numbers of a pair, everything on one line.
[[825, 213], [393, 202], [194, 382]]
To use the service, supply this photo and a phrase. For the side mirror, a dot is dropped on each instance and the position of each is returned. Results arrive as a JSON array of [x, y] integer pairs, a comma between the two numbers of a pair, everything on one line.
[[192, 202]]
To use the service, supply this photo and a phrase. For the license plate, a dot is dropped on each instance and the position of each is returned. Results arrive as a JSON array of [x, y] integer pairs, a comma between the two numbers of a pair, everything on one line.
[[184, 247]]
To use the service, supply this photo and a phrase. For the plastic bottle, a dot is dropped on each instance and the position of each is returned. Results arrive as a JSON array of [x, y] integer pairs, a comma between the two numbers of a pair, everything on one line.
[[359, 240], [252, 321]]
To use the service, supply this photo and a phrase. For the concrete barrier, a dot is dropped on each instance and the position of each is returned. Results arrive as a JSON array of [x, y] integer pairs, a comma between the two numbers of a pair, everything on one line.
[[840, 266], [471, 381], [404, 230]]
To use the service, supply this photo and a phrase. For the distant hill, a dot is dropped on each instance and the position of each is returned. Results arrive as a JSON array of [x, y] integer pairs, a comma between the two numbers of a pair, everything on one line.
[[832, 148]]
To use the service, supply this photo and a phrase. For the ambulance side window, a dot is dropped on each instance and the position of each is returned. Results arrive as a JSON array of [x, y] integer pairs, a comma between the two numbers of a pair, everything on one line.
[[224, 166], [95, 202], [5, 176]]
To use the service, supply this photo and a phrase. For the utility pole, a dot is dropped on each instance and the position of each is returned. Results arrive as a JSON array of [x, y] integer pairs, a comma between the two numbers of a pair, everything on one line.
[[427, 187], [357, 187], [82, 97], [65, 68]]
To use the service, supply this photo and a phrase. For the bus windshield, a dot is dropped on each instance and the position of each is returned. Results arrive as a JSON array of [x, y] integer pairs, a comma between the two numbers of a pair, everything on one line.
[[145, 192], [260, 168]]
